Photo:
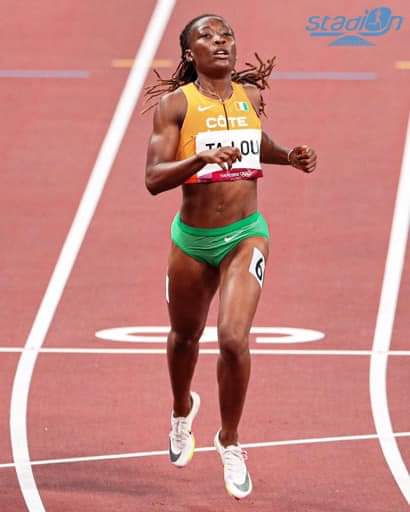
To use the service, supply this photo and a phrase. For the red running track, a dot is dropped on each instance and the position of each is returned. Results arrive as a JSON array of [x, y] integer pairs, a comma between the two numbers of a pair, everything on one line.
[[330, 234]]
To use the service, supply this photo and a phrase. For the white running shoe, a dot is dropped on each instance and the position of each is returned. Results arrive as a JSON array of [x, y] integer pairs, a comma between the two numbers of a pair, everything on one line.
[[238, 482], [181, 438]]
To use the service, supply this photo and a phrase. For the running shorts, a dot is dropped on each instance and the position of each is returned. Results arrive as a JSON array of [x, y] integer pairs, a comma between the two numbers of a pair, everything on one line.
[[211, 245]]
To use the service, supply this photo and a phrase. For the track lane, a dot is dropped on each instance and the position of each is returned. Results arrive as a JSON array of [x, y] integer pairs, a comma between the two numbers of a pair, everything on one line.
[[283, 479], [54, 130], [298, 279], [332, 232], [8, 364]]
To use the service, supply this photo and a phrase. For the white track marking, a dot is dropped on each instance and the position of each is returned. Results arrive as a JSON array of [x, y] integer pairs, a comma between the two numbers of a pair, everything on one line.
[[75, 237], [156, 453], [144, 334], [384, 326], [161, 351]]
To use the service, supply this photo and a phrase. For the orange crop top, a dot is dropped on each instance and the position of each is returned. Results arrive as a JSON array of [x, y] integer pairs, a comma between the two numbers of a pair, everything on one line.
[[205, 127]]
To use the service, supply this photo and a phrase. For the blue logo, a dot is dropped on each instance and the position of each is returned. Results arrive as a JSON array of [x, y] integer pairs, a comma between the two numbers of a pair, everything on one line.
[[354, 31]]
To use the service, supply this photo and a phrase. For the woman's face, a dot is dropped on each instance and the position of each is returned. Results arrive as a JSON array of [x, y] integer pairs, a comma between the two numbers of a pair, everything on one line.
[[212, 47]]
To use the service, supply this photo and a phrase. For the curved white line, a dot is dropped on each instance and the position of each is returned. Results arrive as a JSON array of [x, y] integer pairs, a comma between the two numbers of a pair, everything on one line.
[[69, 252], [149, 334], [384, 326]]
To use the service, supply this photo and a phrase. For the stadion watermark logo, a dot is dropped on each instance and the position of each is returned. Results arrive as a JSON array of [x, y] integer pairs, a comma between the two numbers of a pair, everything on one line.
[[356, 31]]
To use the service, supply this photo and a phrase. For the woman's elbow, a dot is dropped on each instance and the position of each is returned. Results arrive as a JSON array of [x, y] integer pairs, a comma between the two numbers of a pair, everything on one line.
[[151, 188], [151, 184]]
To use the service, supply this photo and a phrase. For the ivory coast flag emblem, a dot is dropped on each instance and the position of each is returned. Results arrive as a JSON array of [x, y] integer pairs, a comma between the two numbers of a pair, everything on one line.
[[242, 105]]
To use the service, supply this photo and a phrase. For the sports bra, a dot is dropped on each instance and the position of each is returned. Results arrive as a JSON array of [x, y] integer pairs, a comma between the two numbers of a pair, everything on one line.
[[207, 126]]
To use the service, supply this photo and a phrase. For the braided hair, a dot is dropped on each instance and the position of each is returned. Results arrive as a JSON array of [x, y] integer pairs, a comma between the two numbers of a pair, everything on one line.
[[185, 72]]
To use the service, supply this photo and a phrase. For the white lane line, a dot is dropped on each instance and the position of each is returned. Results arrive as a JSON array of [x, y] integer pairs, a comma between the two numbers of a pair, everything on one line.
[[211, 351], [72, 244], [384, 326], [156, 453]]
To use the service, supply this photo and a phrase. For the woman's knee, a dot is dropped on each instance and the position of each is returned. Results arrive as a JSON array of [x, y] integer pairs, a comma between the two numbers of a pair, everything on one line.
[[182, 339], [233, 342]]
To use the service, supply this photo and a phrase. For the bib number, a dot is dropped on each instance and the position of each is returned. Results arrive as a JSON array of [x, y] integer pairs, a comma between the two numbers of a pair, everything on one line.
[[257, 266]]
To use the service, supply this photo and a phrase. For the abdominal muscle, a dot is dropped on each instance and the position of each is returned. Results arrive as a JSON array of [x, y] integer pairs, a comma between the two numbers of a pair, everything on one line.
[[211, 205]]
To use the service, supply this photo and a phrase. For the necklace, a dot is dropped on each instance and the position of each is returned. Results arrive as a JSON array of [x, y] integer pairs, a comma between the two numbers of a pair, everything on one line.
[[207, 91], [215, 95]]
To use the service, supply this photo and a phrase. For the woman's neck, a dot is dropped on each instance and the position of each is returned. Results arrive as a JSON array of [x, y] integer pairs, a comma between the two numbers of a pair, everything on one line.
[[220, 88]]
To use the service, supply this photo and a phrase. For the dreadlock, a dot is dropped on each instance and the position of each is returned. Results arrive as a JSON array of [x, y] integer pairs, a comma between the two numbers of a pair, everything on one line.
[[185, 72]]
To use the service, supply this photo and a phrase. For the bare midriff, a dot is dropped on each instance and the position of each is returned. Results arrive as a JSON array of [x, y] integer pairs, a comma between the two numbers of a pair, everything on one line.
[[211, 205]]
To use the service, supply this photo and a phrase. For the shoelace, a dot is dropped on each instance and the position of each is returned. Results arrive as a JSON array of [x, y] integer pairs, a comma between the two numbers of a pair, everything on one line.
[[180, 432], [234, 457]]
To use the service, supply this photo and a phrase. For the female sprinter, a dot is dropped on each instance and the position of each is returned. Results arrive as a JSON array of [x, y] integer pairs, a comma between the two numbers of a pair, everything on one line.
[[207, 137]]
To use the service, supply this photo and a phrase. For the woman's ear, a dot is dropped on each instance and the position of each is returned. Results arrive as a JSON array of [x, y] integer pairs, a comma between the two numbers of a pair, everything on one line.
[[188, 56]]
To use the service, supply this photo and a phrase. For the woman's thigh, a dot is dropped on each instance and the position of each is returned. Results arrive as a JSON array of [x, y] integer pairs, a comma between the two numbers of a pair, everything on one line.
[[191, 286], [241, 281]]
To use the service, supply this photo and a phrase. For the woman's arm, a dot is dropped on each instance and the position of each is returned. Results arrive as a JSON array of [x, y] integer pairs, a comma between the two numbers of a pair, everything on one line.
[[301, 157], [272, 153], [162, 171]]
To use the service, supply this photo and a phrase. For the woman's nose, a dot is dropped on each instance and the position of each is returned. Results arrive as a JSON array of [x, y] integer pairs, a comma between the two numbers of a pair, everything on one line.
[[219, 38]]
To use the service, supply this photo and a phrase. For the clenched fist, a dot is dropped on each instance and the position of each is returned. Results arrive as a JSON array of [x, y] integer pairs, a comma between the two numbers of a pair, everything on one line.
[[303, 158]]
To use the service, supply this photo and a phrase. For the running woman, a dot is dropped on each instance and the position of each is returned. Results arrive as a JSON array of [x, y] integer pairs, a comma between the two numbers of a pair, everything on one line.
[[207, 138]]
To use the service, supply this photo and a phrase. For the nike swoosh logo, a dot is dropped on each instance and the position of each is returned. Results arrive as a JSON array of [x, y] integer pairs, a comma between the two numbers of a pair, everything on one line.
[[227, 239], [245, 486], [173, 456], [202, 108]]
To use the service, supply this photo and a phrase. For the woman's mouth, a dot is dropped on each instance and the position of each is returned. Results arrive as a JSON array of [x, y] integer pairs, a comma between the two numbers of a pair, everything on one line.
[[221, 54]]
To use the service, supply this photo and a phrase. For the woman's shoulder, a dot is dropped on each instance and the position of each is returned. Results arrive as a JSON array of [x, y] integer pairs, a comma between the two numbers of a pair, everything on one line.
[[252, 91], [173, 98], [254, 94], [173, 104]]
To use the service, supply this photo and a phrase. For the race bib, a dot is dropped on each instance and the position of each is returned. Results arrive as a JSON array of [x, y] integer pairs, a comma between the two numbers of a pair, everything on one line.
[[248, 142], [257, 266]]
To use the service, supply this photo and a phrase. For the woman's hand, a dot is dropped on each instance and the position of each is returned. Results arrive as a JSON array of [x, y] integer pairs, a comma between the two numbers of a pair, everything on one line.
[[303, 158], [225, 157]]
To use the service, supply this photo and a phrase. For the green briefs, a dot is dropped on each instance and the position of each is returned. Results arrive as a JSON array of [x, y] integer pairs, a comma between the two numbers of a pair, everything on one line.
[[211, 245]]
